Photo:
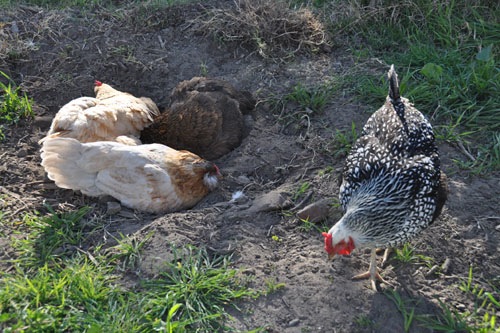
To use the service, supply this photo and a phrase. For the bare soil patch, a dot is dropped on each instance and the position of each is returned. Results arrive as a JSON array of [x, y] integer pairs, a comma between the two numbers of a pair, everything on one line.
[[57, 54]]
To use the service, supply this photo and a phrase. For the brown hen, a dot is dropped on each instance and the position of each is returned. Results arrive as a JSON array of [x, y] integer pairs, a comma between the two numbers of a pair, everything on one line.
[[205, 117]]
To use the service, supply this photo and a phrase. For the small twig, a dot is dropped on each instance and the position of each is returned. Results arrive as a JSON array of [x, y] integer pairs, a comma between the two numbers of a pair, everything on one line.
[[39, 182], [303, 201], [465, 151], [91, 257], [269, 231], [17, 211], [162, 43], [13, 194]]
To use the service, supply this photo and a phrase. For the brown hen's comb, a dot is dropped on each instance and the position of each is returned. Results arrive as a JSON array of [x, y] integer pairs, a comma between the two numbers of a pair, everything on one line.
[[97, 83], [328, 242]]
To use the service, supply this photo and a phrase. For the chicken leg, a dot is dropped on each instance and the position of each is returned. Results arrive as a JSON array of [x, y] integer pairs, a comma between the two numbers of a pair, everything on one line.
[[372, 274]]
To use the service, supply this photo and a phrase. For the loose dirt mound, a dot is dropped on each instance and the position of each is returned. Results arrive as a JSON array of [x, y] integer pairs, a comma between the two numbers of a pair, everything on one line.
[[57, 54]]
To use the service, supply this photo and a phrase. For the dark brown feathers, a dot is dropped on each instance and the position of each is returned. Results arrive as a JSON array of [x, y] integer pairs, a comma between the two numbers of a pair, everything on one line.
[[205, 117], [216, 88], [441, 196]]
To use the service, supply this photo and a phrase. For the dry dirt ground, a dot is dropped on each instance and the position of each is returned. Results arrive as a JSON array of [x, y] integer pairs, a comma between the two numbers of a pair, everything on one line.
[[60, 53]]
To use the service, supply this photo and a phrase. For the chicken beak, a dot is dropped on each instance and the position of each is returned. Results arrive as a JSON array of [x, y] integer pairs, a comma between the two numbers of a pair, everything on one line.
[[330, 256]]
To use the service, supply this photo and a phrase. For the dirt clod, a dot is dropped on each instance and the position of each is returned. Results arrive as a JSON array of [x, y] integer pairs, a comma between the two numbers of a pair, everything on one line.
[[315, 212]]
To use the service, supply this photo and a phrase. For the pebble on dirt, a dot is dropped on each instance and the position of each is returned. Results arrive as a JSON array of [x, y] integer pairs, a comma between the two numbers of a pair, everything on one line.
[[315, 212], [446, 266], [270, 201], [113, 208]]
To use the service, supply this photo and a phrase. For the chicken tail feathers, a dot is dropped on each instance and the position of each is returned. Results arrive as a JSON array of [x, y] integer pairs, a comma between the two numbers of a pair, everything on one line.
[[393, 85], [61, 160], [59, 134], [395, 97]]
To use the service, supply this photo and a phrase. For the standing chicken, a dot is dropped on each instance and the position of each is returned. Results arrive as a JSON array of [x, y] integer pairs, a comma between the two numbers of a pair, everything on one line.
[[392, 186], [152, 178], [205, 117], [111, 116]]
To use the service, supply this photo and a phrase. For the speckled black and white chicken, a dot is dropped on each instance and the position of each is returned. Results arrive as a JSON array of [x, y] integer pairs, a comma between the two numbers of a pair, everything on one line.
[[205, 117], [392, 186]]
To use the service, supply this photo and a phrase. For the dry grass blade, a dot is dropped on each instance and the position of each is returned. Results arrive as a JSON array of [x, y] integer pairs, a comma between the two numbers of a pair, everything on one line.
[[270, 27]]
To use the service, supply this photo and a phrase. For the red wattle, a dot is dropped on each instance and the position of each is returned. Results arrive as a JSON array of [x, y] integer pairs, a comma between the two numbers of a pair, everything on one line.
[[328, 242]]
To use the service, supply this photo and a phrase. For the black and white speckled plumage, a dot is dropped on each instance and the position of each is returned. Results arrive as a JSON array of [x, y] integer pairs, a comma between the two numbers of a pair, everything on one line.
[[391, 177]]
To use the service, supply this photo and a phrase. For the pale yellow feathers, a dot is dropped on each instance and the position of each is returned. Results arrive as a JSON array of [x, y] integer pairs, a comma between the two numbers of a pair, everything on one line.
[[152, 178], [111, 116]]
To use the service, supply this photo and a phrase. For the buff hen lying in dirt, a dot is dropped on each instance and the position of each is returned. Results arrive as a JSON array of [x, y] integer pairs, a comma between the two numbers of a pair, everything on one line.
[[111, 116], [392, 186], [153, 178], [205, 117]]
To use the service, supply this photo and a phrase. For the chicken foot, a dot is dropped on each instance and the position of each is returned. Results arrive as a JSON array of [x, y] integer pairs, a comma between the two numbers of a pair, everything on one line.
[[372, 274]]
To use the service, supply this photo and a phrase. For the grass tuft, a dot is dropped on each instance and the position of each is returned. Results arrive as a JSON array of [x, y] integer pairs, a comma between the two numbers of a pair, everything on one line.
[[51, 289], [128, 251], [301, 190], [69, 297], [450, 321], [273, 286], [446, 57], [482, 319], [313, 99], [51, 237], [271, 28], [405, 307], [344, 140], [204, 285], [406, 254], [13, 107], [296, 108]]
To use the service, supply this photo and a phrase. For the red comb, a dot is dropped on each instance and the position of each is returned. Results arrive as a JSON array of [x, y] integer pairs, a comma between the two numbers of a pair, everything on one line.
[[97, 83], [328, 242]]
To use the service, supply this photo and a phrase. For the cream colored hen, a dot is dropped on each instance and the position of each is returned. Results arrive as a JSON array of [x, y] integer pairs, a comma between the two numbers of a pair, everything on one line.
[[111, 116], [153, 178]]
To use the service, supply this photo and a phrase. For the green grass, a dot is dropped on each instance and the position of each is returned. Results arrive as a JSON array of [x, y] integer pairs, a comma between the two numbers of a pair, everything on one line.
[[450, 321], [405, 307], [202, 284], [343, 140], [203, 69], [50, 237], [297, 107], [301, 190], [307, 226], [128, 251], [406, 254], [13, 105], [446, 55], [53, 3], [58, 284], [273, 286], [484, 296], [310, 98], [364, 321]]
